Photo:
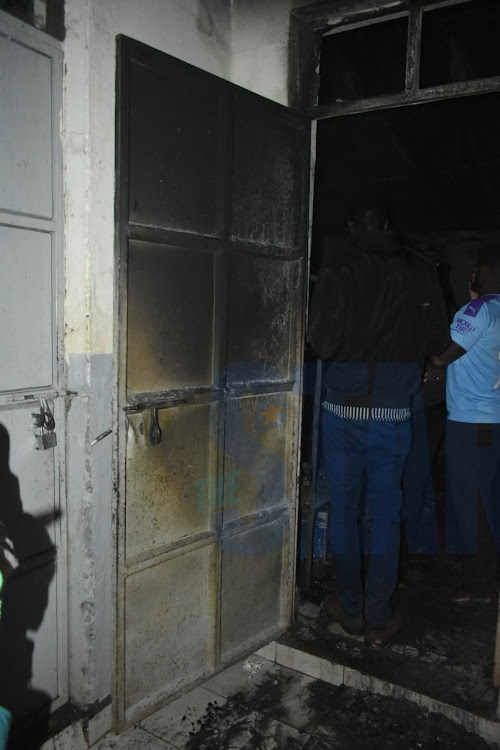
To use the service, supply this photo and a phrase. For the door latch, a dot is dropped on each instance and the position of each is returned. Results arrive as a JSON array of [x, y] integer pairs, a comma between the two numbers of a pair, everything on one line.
[[154, 427], [43, 427]]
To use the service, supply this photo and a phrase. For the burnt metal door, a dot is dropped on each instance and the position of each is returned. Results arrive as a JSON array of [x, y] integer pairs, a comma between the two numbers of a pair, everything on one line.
[[212, 205]]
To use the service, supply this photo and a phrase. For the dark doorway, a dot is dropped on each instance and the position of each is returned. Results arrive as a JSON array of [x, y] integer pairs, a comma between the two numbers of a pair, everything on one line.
[[435, 169]]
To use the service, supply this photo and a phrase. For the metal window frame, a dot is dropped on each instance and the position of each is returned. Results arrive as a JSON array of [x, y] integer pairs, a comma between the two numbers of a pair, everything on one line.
[[310, 23]]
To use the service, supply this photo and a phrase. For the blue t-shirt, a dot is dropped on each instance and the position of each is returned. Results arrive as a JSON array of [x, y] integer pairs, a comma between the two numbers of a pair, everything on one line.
[[473, 380]]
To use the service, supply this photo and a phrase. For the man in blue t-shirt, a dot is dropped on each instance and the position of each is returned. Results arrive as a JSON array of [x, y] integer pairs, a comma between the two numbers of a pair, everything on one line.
[[472, 363]]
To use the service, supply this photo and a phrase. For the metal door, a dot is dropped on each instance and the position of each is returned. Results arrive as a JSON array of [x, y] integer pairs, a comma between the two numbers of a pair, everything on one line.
[[33, 660], [212, 236]]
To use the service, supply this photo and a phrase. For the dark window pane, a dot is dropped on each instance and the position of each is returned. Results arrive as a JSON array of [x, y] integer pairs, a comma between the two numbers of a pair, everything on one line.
[[435, 167], [22, 9], [460, 43], [365, 62]]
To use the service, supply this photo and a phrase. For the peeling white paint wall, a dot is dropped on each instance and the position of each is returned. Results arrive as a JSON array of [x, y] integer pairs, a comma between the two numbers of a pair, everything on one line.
[[242, 41], [259, 46]]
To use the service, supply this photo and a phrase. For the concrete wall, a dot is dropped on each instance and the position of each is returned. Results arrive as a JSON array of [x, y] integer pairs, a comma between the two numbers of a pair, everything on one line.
[[259, 45]]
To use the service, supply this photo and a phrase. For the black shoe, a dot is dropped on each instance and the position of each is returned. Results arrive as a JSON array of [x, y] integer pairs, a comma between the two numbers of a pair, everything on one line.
[[380, 637], [352, 624]]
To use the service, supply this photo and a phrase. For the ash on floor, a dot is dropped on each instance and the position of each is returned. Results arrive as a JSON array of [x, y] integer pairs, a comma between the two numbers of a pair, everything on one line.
[[443, 650], [258, 705]]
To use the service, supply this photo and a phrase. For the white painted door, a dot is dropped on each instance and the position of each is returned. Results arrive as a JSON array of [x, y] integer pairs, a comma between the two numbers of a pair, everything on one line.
[[33, 659]]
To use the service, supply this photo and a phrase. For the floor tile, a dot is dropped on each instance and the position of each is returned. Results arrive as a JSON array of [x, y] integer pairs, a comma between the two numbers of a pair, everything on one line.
[[284, 695], [70, 738], [313, 666], [132, 739], [177, 722], [327, 739], [250, 730], [268, 651], [241, 677]]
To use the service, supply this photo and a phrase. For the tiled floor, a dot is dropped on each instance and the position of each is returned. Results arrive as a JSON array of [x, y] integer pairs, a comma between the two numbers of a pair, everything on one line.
[[199, 718], [259, 705]]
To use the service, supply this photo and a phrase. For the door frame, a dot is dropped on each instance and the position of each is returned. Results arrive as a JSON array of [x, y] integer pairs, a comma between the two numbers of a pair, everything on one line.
[[33, 38], [308, 24]]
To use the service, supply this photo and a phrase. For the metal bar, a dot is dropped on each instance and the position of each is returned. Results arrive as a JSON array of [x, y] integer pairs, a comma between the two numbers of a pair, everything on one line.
[[366, 22], [405, 98], [268, 388], [413, 48], [176, 238], [442, 4], [496, 667], [156, 403], [101, 436], [325, 14]]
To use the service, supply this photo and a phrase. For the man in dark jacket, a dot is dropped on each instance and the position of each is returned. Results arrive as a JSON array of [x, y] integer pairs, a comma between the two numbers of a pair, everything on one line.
[[373, 319]]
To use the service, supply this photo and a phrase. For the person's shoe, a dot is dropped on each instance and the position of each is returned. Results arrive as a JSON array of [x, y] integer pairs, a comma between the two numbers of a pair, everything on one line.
[[352, 624], [380, 637], [463, 597]]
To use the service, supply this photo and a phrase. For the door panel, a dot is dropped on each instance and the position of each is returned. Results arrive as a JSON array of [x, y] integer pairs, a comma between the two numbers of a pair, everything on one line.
[[168, 485], [252, 581], [268, 179], [209, 339], [256, 471], [170, 625], [261, 323], [26, 302], [170, 345], [25, 138], [179, 189], [29, 653]]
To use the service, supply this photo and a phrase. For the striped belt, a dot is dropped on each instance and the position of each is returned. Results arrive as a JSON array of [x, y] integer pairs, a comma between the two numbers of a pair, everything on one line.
[[366, 412]]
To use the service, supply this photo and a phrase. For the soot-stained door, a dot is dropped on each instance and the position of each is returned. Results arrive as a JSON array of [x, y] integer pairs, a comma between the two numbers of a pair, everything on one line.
[[211, 246]]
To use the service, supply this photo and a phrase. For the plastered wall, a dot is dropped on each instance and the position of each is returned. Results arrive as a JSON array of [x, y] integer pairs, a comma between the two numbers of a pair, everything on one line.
[[259, 44], [240, 40]]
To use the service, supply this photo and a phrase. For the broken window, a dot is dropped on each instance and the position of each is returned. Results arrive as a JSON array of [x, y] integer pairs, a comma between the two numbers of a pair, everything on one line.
[[460, 43]]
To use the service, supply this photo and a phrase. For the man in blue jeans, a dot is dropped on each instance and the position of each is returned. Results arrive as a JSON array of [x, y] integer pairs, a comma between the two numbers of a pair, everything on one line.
[[472, 363], [373, 319]]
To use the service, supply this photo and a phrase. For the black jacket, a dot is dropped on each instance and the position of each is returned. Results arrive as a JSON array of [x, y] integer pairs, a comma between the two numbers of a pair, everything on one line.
[[375, 315]]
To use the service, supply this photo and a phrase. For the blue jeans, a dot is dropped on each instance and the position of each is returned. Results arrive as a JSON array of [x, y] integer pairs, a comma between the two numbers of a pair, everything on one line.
[[473, 500], [419, 502], [373, 453]]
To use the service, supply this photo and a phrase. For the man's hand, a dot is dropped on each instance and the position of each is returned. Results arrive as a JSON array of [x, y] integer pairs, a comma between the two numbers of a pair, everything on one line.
[[439, 362], [472, 292], [436, 371]]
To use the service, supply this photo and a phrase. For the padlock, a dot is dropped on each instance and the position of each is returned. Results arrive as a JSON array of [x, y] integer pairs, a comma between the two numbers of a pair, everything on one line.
[[45, 441]]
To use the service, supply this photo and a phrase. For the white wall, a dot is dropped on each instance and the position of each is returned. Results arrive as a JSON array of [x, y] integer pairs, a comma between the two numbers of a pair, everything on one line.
[[259, 46]]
